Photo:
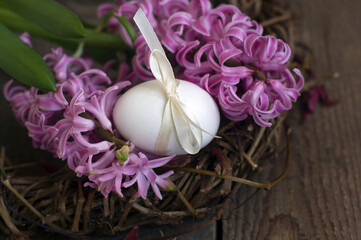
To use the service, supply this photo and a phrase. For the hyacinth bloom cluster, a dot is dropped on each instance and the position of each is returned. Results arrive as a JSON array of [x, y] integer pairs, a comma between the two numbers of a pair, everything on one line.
[[222, 50], [64, 122]]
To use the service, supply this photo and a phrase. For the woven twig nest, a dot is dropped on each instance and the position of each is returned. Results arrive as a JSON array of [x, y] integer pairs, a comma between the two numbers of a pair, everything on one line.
[[203, 184]]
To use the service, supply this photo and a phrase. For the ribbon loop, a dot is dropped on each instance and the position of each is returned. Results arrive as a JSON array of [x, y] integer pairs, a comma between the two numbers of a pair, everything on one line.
[[162, 71], [176, 115]]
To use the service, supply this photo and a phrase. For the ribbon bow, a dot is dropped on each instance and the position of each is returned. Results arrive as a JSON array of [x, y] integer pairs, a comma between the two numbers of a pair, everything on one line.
[[176, 115]]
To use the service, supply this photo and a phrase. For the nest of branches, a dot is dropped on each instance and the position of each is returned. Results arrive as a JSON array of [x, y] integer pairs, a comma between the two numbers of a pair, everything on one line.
[[203, 184]]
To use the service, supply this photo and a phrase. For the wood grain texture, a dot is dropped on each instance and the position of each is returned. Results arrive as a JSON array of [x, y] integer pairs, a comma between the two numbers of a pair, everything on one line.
[[320, 198]]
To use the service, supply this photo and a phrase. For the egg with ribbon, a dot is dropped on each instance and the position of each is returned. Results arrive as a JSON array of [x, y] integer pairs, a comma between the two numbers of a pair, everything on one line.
[[138, 115], [165, 116]]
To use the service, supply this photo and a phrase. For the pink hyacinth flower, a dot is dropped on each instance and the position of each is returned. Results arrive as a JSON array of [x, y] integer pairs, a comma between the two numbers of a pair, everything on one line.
[[145, 175]]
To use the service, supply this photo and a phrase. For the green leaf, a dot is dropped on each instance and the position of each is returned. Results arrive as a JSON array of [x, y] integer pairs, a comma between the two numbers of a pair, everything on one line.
[[92, 37], [49, 15], [128, 27], [23, 63]]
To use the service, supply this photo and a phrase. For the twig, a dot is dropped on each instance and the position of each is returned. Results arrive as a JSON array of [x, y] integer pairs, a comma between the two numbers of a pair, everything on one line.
[[250, 161], [286, 16], [146, 211], [235, 179], [7, 219], [79, 207], [23, 165], [7, 184], [183, 199], [106, 207], [129, 206], [256, 141], [87, 209]]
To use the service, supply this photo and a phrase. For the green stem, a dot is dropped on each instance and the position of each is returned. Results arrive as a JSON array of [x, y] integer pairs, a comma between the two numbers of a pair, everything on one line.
[[79, 51], [108, 136], [258, 74], [104, 134]]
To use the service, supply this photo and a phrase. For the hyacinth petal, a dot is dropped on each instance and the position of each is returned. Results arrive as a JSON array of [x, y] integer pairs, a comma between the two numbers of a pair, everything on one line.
[[285, 54], [25, 37], [143, 185], [90, 184], [249, 43], [180, 18], [134, 159], [280, 89], [10, 93], [48, 104], [229, 54], [237, 33], [62, 143], [260, 121], [156, 190], [81, 124], [181, 56], [240, 71], [118, 184], [143, 160], [107, 100], [205, 6], [164, 175], [213, 61], [128, 170], [200, 52], [131, 181], [301, 80], [257, 90], [263, 102], [107, 177], [142, 73], [155, 163], [149, 174], [100, 146], [104, 9], [162, 183], [100, 75], [95, 108], [202, 26], [101, 163], [269, 48]]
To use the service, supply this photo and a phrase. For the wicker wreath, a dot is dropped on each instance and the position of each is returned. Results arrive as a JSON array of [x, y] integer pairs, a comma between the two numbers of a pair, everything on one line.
[[202, 185]]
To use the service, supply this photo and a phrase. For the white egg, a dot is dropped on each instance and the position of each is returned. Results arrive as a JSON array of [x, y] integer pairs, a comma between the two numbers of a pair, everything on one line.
[[138, 114]]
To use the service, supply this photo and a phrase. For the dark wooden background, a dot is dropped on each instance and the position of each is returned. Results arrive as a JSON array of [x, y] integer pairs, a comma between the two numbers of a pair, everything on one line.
[[320, 198]]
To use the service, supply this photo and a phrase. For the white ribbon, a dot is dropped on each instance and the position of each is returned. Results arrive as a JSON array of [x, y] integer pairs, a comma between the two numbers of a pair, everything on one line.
[[176, 115]]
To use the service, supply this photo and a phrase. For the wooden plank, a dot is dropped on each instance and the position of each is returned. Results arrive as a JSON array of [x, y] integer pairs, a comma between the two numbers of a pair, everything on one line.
[[320, 198]]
